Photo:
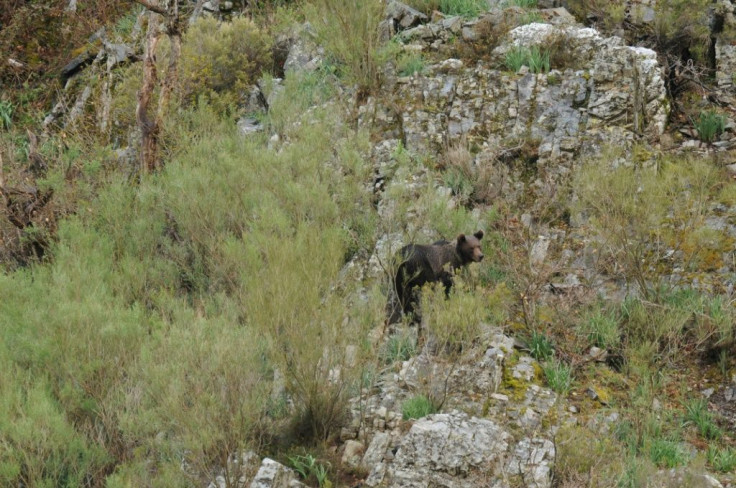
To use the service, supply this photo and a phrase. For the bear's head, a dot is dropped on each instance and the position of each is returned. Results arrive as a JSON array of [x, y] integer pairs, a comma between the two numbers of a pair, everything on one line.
[[468, 247]]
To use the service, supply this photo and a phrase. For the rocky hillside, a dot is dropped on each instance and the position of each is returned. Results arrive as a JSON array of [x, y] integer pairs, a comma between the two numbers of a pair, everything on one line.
[[221, 322]]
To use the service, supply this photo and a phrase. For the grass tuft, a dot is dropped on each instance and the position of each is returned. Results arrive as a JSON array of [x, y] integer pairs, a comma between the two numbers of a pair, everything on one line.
[[559, 376], [710, 125], [417, 407], [540, 347]]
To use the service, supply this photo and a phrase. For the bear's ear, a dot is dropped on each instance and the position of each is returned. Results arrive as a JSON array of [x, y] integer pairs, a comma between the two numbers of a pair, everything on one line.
[[461, 238], [479, 234]]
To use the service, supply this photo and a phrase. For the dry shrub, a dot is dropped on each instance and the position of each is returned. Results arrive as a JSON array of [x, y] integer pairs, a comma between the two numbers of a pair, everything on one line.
[[349, 32], [475, 180], [219, 61], [587, 459]]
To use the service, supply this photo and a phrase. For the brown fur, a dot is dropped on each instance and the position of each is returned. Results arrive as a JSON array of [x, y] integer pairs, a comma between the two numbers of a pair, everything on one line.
[[422, 264]]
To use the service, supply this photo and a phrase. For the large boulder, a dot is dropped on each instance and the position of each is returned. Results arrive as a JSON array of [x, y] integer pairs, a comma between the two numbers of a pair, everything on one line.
[[449, 450]]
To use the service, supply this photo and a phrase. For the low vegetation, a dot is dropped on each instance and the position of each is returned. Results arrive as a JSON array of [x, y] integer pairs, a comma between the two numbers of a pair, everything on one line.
[[153, 326]]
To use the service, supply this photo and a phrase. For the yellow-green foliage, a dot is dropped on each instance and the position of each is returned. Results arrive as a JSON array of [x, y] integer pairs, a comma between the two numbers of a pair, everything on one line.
[[156, 329], [639, 214], [220, 60], [124, 99], [587, 459], [456, 322], [349, 31]]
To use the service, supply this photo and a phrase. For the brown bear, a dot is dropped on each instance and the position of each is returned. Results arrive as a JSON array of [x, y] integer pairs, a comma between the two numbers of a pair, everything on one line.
[[420, 264]]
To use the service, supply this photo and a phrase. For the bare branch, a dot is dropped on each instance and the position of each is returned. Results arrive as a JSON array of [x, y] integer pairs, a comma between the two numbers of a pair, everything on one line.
[[152, 6]]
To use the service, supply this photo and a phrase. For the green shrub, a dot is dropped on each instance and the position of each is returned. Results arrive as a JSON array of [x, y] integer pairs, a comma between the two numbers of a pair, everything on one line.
[[666, 453], [169, 308], [219, 61], [676, 199], [540, 347], [523, 3], [559, 376], [459, 183], [710, 125], [409, 64], [454, 323], [466, 8], [587, 456], [417, 407], [531, 18], [40, 447], [536, 58], [722, 460], [399, 348], [6, 114], [602, 329], [309, 467], [696, 413], [516, 57]]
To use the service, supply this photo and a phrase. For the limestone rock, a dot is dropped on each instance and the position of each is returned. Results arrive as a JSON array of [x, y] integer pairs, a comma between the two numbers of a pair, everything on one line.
[[404, 16], [353, 453], [608, 94], [303, 52], [377, 448], [450, 450], [275, 475], [532, 461]]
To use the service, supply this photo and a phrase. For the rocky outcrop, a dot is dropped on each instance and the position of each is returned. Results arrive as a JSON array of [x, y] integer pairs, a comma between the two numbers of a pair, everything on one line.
[[451, 450], [724, 29], [275, 475], [607, 93]]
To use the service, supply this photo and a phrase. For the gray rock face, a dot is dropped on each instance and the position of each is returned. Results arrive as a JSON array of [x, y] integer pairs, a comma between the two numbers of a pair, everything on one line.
[[608, 93], [532, 461], [274, 475], [450, 450], [403, 16], [304, 53], [725, 50]]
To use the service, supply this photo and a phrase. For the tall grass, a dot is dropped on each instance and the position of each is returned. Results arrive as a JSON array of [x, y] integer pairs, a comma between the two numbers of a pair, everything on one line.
[[349, 32]]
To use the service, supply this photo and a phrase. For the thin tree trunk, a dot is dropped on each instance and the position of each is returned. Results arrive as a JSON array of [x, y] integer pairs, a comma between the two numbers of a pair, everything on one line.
[[149, 127], [172, 72]]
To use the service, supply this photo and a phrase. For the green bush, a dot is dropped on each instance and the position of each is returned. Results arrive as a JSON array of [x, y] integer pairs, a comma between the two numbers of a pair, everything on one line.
[[558, 375], [675, 197], [722, 460], [6, 114], [696, 413], [666, 453], [601, 329], [399, 348], [309, 467], [536, 58], [524, 3], [710, 125], [540, 347], [417, 407], [466, 8], [516, 57], [219, 61], [409, 64], [169, 307]]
